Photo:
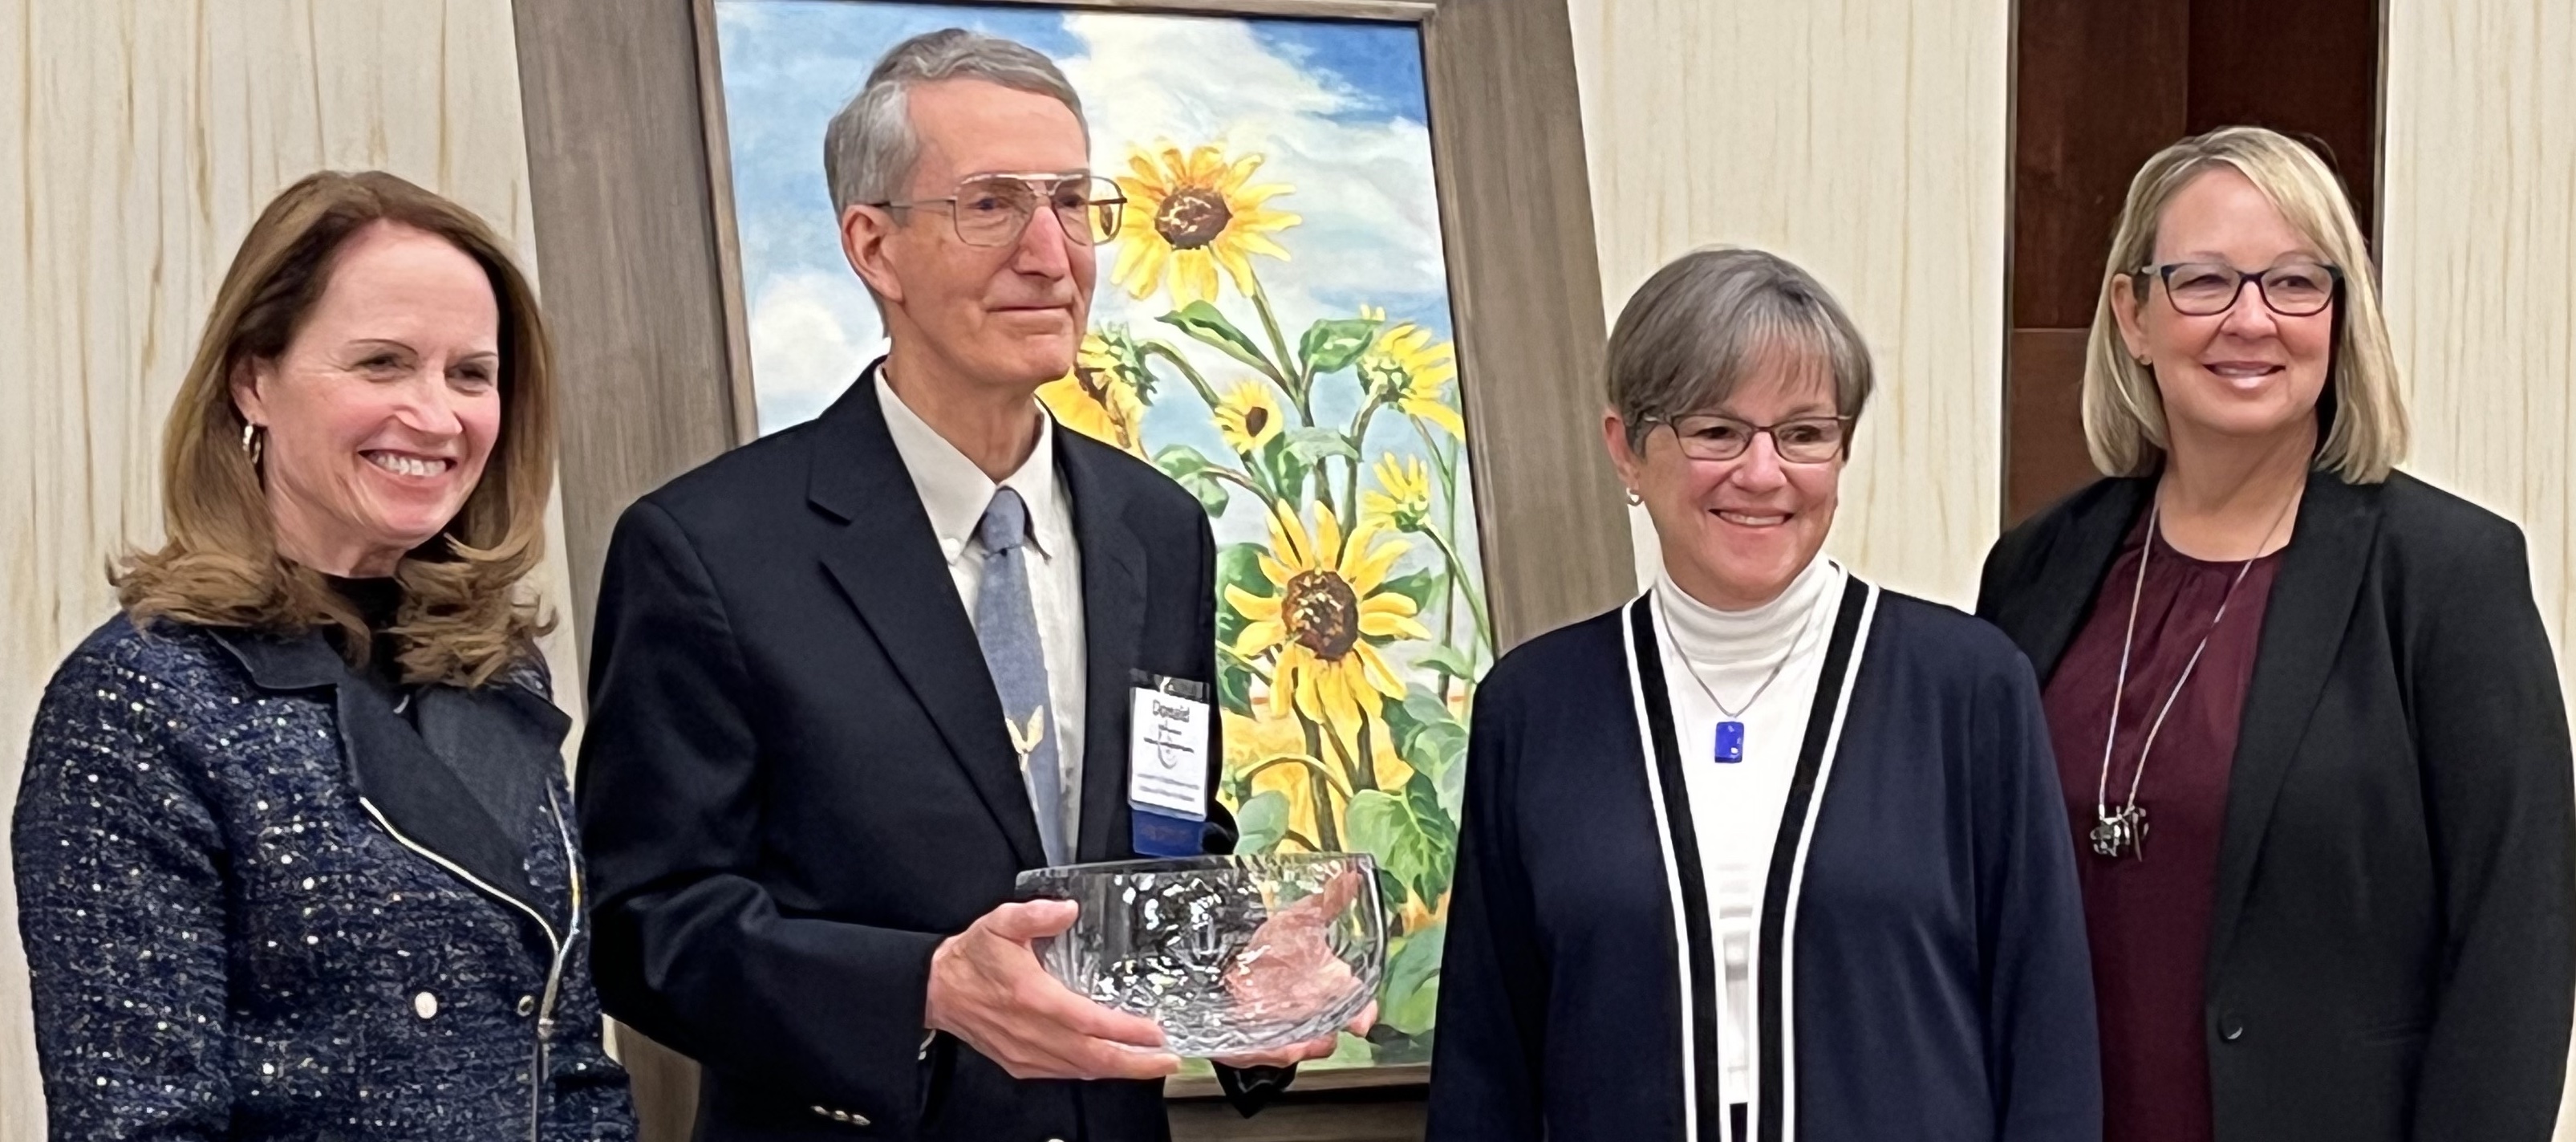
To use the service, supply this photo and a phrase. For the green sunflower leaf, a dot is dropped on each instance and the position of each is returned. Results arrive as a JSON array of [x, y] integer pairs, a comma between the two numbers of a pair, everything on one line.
[[1411, 995], [1440, 836], [1260, 823], [1178, 460], [1287, 470], [1416, 852], [1421, 587], [1233, 687], [1440, 753], [1188, 467], [1450, 787], [1450, 661], [1331, 346], [1210, 328], [1312, 445]]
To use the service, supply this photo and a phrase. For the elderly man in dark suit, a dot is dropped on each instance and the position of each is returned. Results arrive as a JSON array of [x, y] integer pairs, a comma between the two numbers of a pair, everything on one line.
[[850, 680]]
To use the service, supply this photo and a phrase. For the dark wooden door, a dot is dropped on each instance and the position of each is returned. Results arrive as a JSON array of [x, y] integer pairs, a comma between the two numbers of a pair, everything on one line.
[[2100, 87]]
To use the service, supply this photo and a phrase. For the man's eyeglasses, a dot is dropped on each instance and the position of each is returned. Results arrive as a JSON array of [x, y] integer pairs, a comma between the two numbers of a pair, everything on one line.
[[1717, 436], [2207, 289], [993, 209]]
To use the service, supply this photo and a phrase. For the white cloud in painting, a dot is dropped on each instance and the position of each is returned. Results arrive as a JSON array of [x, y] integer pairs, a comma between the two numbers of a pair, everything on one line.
[[811, 333], [1202, 80], [1370, 222]]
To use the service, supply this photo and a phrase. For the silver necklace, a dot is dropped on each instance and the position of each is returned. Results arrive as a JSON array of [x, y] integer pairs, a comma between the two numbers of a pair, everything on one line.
[[1730, 726], [2126, 830]]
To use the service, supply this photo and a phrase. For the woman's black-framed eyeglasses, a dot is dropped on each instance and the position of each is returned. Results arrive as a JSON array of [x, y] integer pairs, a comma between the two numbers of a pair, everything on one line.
[[2207, 289]]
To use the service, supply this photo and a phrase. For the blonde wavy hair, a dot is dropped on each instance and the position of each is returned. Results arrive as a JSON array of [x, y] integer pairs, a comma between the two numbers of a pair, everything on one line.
[[2364, 415], [463, 618]]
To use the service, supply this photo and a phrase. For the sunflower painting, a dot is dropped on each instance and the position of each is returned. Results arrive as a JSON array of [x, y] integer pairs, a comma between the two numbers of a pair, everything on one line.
[[1189, 214], [1271, 328]]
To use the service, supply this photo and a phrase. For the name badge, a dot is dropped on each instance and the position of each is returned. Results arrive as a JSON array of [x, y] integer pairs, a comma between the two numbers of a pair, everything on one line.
[[1167, 765]]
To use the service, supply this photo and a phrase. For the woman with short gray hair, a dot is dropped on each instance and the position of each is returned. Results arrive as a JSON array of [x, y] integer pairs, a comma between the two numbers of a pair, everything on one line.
[[1767, 852]]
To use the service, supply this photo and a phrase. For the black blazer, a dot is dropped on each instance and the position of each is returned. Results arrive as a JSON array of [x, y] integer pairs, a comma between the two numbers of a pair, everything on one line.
[[2391, 955], [795, 782]]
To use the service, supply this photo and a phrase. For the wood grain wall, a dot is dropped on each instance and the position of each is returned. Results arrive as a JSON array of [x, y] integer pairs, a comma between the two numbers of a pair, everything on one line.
[[143, 137], [2477, 244], [1865, 141]]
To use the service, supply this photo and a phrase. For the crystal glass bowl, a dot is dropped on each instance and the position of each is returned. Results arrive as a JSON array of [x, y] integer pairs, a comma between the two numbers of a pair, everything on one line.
[[1230, 955]]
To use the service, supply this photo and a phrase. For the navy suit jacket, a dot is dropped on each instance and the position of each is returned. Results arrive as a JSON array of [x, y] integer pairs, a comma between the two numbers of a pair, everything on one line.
[[796, 781]]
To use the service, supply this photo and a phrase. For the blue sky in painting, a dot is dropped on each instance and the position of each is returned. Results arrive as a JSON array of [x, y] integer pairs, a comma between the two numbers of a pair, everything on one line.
[[1380, 67], [1336, 105], [1336, 108]]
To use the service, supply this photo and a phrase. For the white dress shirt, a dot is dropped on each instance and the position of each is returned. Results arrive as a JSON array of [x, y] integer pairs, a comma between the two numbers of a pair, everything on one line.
[[1735, 807], [955, 492]]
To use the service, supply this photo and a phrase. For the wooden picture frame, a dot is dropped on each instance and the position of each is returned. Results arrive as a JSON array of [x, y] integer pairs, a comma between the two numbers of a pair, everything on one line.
[[640, 274]]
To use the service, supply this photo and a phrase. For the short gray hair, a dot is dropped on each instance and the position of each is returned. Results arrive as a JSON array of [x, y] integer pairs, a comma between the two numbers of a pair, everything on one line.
[[869, 149], [1707, 320]]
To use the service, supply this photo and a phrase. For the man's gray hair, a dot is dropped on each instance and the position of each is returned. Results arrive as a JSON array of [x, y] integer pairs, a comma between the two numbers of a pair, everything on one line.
[[1713, 317], [869, 149]]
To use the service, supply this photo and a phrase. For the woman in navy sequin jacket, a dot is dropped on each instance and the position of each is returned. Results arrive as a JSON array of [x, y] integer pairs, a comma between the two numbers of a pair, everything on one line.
[[293, 849]]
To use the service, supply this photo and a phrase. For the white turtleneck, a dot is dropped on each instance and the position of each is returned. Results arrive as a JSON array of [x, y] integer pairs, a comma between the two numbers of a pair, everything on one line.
[[1735, 806]]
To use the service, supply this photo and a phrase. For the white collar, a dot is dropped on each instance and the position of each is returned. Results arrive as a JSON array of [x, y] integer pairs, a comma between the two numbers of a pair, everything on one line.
[[955, 491], [1707, 634]]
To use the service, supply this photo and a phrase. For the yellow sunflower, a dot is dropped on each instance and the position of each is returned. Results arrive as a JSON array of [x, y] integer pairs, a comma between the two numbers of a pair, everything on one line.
[[1406, 502], [1248, 416], [1189, 214], [1099, 397], [1407, 368], [1330, 602]]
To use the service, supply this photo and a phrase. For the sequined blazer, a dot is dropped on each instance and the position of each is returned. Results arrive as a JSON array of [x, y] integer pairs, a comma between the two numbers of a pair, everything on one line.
[[260, 903]]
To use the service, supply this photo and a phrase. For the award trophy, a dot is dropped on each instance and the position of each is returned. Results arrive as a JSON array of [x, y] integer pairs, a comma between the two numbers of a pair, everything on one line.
[[1230, 955]]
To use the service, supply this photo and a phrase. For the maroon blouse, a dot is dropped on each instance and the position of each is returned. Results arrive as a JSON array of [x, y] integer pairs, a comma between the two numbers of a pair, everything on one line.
[[2148, 919]]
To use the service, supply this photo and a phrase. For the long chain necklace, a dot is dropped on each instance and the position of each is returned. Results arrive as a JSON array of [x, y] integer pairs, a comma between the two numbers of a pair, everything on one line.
[[2126, 830], [1730, 726]]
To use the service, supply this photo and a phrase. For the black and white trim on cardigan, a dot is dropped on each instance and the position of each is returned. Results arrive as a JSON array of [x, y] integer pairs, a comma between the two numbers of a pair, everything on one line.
[[1771, 1116]]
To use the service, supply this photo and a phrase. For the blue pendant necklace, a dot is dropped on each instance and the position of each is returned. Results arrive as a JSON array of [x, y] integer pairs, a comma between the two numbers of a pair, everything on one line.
[[1730, 722]]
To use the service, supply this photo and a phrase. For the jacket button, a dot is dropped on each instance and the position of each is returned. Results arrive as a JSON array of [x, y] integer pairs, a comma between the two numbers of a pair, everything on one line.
[[2229, 1028], [527, 1006], [425, 1005]]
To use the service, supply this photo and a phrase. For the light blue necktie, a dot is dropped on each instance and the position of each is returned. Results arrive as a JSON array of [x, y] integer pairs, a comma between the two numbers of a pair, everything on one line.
[[1007, 626]]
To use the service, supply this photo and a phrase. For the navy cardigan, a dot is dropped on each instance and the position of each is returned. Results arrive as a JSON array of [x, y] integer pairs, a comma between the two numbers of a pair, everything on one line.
[[259, 904], [1921, 968]]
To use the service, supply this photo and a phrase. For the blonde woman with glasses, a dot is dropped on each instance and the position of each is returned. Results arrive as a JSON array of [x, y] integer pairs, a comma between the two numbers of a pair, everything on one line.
[[2308, 725]]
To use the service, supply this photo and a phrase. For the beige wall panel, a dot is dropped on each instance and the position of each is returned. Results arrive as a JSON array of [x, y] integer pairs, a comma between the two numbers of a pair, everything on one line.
[[2478, 255], [1866, 141], [143, 137], [2478, 242]]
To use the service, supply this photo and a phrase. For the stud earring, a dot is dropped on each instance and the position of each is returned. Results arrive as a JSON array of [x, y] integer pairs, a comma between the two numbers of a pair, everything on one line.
[[1634, 499], [251, 443]]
